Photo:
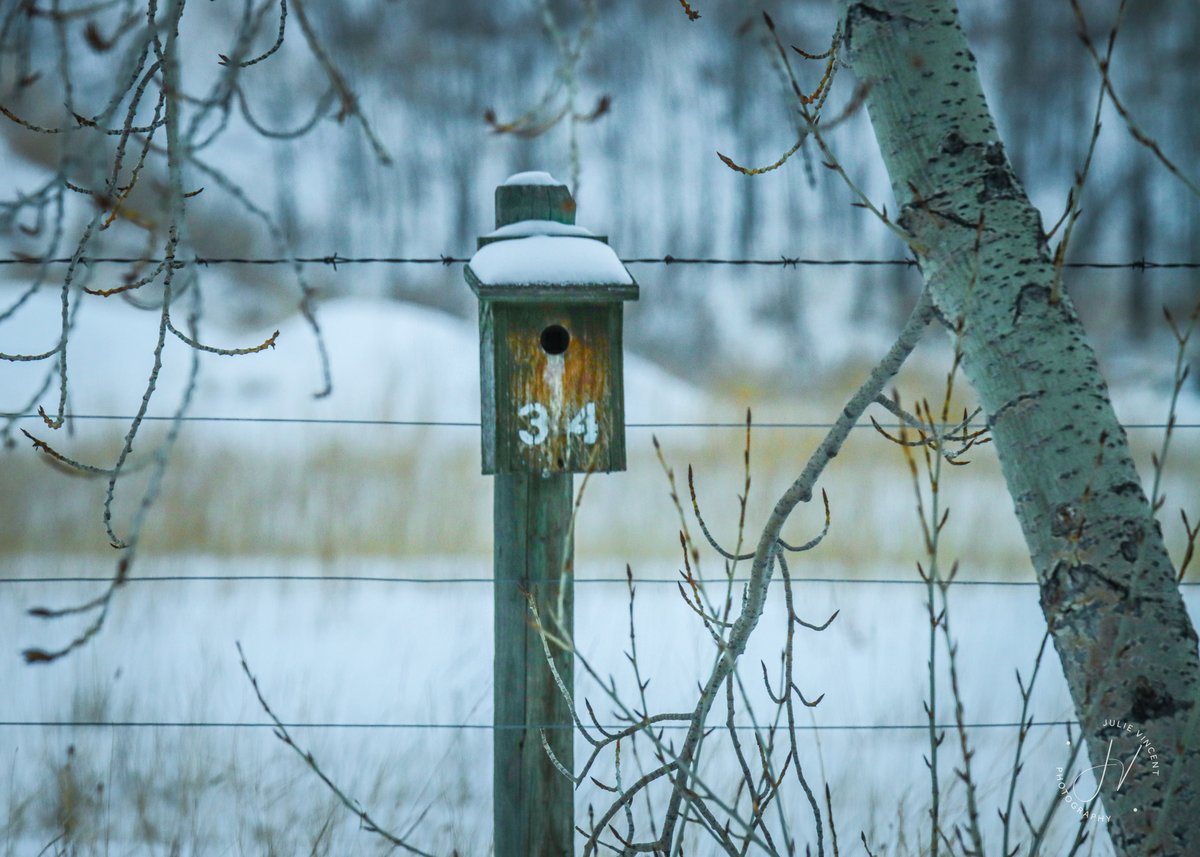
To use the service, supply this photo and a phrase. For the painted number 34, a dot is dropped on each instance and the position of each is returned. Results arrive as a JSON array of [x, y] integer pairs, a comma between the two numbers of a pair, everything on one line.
[[537, 419]]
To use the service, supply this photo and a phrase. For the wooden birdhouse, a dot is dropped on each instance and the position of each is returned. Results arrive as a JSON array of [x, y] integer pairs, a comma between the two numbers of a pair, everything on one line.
[[550, 318]]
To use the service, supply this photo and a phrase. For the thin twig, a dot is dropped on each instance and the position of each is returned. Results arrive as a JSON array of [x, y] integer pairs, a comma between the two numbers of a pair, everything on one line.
[[281, 732]]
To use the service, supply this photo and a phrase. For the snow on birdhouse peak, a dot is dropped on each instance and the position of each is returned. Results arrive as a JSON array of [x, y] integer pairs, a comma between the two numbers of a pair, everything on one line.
[[533, 177], [525, 228], [548, 260]]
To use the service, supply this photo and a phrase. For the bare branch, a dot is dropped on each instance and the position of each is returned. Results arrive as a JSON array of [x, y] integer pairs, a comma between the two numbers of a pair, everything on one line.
[[281, 732]]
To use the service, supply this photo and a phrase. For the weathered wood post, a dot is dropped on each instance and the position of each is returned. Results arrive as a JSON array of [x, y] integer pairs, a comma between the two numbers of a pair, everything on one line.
[[550, 311]]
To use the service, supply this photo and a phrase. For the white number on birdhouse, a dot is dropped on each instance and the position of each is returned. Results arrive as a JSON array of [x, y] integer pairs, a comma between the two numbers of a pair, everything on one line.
[[536, 412], [583, 423]]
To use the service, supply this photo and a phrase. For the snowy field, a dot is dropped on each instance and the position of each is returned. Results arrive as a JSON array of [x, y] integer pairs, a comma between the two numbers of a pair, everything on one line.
[[416, 660], [393, 677]]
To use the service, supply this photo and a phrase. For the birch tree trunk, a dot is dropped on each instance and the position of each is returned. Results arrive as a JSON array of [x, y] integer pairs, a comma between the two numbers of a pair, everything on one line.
[[1107, 585]]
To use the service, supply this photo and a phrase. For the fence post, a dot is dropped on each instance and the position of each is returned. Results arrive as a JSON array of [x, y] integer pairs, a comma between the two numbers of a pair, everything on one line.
[[552, 404]]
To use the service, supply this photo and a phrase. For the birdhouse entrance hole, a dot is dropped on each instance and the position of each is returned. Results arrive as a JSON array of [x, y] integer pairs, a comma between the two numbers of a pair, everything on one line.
[[555, 339]]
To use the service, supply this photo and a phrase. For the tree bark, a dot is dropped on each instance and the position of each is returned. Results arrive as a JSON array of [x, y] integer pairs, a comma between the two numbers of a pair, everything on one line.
[[1108, 588]]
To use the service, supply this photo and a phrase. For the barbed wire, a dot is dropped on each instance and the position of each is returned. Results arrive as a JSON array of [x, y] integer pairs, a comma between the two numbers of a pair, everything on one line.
[[352, 421], [335, 259], [496, 727], [480, 581]]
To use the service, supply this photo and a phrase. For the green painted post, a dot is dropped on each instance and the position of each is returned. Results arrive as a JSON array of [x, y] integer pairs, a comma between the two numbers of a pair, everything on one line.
[[532, 803], [552, 404]]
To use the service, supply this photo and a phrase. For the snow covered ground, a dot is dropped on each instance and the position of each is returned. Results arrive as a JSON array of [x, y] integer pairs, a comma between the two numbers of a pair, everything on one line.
[[416, 658], [389, 361]]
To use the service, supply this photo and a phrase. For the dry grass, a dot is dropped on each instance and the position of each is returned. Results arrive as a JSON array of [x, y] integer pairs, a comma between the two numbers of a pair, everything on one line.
[[407, 492]]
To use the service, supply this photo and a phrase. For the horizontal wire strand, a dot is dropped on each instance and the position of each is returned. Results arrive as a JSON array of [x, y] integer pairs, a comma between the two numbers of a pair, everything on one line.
[[348, 421], [445, 260], [489, 727], [667, 259], [481, 581]]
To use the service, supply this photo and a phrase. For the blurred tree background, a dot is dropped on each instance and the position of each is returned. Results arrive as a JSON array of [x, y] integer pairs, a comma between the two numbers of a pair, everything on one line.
[[425, 73]]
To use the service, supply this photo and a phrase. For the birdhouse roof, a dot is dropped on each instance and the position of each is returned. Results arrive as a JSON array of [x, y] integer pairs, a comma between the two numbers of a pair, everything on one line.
[[563, 265], [533, 177], [526, 228]]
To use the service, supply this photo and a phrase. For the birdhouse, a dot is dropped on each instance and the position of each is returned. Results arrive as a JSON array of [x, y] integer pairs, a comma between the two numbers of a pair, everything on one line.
[[550, 317]]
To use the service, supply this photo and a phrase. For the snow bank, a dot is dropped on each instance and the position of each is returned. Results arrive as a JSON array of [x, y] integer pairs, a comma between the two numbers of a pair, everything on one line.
[[388, 360]]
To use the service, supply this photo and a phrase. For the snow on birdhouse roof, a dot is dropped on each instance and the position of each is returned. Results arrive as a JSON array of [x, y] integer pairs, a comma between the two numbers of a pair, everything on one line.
[[525, 228], [557, 265], [533, 177]]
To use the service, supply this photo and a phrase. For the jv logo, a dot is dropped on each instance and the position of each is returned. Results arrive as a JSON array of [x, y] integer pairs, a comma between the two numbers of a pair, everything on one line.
[[1119, 762]]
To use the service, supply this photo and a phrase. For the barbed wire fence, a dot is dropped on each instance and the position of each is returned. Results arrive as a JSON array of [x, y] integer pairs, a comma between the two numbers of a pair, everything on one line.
[[333, 260], [333, 579]]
